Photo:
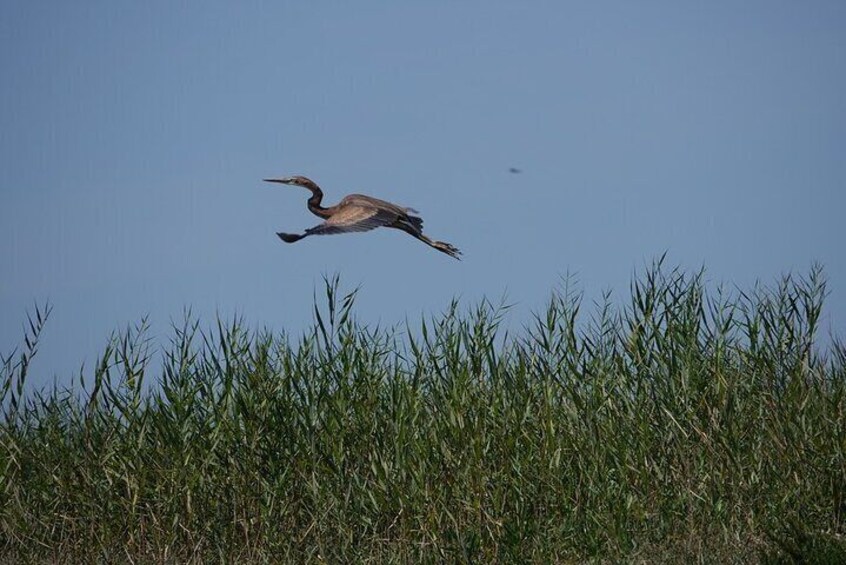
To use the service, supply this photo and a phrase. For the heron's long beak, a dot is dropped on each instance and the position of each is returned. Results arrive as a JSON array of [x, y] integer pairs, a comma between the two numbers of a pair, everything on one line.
[[280, 181]]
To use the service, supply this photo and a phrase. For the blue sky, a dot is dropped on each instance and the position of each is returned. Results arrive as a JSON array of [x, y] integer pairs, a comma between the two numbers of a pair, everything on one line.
[[133, 137]]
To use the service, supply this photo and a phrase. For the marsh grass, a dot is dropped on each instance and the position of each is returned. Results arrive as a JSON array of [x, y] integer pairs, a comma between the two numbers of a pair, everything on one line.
[[689, 423]]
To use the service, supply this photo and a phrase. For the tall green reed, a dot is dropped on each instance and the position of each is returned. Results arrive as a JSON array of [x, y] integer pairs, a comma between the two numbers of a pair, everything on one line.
[[684, 421]]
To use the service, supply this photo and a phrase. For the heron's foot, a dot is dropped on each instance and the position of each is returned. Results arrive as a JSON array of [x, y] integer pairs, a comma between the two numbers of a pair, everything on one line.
[[448, 248], [289, 237]]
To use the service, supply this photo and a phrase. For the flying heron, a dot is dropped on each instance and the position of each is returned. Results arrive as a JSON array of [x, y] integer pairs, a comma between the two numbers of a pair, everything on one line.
[[357, 212]]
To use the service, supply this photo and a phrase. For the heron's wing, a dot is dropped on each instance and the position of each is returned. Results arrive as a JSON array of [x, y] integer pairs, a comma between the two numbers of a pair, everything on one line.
[[400, 211], [352, 218], [364, 200]]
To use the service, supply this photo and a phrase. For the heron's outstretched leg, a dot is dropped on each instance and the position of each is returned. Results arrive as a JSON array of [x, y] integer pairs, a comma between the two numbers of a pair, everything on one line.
[[441, 246], [290, 237]]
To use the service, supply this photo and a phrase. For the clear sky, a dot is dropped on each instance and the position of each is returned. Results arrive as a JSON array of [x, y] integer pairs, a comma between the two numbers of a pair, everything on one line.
[[133, 137]]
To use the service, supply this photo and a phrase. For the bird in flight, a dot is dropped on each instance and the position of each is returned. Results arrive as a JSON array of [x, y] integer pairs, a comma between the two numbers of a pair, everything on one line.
[[356, 213]]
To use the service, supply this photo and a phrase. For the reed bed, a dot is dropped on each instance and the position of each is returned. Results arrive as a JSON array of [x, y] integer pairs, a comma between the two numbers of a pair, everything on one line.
[[684, 423]]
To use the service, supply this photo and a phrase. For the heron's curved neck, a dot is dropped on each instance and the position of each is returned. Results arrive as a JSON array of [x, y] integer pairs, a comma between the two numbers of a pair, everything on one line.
[[315, 200]]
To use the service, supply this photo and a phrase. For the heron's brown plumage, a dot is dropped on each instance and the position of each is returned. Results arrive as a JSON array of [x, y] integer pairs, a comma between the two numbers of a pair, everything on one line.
[[358, 213]]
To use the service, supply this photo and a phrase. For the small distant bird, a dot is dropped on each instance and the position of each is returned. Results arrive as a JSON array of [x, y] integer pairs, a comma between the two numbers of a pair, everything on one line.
[[357, 212], [514, 170]]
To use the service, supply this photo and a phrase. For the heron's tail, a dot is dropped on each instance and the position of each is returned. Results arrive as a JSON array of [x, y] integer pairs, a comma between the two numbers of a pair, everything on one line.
[[415, 221]]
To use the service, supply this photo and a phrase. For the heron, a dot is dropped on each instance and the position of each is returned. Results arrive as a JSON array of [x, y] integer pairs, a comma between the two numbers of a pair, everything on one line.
[[358, 213]]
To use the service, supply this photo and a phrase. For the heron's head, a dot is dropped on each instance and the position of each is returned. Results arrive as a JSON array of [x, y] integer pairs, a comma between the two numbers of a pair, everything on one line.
[[295, 180]]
